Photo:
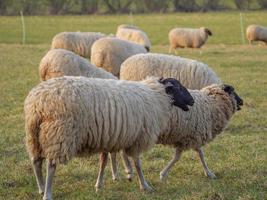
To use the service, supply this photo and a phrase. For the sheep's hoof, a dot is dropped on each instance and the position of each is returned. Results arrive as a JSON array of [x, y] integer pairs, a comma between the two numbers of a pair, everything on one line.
[[98, 188], [147, 188], [162, 176], [211, 175], [47, 198], [129, 177], [115, 178]]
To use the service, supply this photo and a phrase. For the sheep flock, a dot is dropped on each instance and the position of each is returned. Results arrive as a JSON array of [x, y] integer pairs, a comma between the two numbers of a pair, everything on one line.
[[103, 93]]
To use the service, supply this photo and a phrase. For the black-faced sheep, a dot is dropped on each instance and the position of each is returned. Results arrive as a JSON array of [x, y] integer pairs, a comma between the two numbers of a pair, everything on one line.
[[69, 116]]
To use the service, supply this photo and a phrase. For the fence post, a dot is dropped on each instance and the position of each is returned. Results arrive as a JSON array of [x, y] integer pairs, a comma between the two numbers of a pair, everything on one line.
[[23, 28], [242, 28]]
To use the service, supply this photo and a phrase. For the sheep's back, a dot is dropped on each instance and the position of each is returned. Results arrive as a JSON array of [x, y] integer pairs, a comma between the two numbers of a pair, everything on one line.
[[78, 42], [192, 74]]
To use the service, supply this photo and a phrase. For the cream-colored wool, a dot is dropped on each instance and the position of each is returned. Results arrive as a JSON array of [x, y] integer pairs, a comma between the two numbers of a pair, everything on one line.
[[68, 116], [209, 116], [133, 34], [109, 53], [127, 26], [188, 37], [78, 42], [256, 33], [61, 62], [192, 74]]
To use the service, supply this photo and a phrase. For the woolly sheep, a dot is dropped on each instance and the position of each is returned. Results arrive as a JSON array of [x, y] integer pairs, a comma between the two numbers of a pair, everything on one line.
[[61, 62], [134, 34], [69, 116], [192, 74], [188, 37], [78, 42], [214, 106], [256, 33], [109, 53]]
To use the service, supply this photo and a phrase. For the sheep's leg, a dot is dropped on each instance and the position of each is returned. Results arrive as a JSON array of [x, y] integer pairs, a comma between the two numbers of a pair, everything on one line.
[[175, 158], [103, 164], [50, 172], [170, 49], [37, 168], [143, 184], [127, 166], [207, 171], [114, 168]]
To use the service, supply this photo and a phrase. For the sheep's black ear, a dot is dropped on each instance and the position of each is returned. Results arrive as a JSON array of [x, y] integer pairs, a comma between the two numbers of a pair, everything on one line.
[[208, 31], [161, 80], [147, 48], [228, 88]]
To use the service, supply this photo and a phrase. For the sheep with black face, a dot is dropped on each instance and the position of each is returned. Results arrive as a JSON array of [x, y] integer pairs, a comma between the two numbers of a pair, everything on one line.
[[69, 116], [213, 108]]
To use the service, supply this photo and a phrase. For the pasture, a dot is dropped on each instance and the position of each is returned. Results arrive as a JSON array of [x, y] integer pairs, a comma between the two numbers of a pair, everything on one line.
[[238, 156]]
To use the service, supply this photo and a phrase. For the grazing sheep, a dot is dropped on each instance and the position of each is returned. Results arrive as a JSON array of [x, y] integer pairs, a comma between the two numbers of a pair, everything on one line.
[[61, 62], [69, 116], [109, 53], [256, 33], [134, 34], [78, 42], [214, 106], [188, 37], [192, 74]]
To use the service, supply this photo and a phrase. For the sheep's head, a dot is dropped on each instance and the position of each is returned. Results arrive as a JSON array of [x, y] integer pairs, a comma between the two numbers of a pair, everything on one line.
[[231, 91], [180, 95], [207, 31]]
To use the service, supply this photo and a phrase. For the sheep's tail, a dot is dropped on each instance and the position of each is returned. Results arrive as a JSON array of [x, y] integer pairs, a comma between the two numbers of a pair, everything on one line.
[[32, 128]]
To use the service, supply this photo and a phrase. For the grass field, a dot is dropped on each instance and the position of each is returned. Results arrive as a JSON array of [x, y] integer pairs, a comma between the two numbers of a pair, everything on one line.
[[238, 156]]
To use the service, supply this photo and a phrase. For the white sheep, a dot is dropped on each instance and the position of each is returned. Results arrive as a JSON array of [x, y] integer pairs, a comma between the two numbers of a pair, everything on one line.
[[61, 62], [69, 116], [188, 37], [191, 73], [134, 34], [109, 53], [256, 33], [214, 106], [78, 42]]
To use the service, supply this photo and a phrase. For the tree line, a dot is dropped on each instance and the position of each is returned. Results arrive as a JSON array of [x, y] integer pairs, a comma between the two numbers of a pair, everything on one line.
[[61, 7]]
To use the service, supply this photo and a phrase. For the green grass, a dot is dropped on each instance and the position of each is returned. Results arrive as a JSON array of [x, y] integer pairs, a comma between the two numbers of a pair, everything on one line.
[[238, 156]]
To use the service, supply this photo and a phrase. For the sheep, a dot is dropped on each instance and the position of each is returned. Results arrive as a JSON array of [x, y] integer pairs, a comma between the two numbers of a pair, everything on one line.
[[127, 26], [78, 42], [70, 116], [61, 62], [214, 106], [109, 53], [192, 74], [188, 37], [134, 34], [256, 33]]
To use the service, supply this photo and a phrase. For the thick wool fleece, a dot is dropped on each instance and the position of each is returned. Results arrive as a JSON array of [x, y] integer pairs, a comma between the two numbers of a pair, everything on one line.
[[78, 42], [68, 116], [133, 34], [61, 62], [192, 74], [256, 33], [109, 53], [208, 117], [187, 37]]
